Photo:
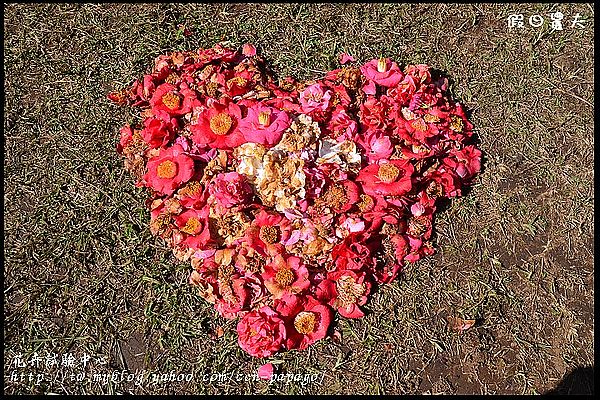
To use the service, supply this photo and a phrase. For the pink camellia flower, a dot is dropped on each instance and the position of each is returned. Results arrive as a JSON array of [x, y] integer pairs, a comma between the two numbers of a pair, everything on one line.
[[231, 189], [217, 126], [307, 320], [377, 145], [369, 87], [350, 224], [417, 209], [347, 290], [157, 132], [264, 125], [268, 231], [285, 275], [314, 98], [168, 170], [262, 332], [194, 223], [383, 72], [391, 178], [414, 245]]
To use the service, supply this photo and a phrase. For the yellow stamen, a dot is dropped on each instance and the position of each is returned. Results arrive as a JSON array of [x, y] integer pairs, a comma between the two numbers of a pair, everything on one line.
[[336, 196], [305, 322], [191, 189], [382, 65], [388, 172], [419, 125], [171, 100], [264, 118], [431, 118], [268, 234], [238, 80], [284, 277], [166, 169], [366, 202], [456, 123], [221, 123], [191, 226]]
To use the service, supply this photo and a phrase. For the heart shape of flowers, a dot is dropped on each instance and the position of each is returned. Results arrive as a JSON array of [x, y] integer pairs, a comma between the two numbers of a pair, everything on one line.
[[292, 200]]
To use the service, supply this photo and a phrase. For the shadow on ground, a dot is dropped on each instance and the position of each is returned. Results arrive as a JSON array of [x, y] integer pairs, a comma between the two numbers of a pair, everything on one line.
[[578, 381]]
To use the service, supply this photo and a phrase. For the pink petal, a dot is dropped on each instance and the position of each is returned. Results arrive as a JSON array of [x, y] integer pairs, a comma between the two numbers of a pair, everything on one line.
[[248, 50], [461, 170], [369, 88], [417, 209], [265, 372], [294, 237], [346, 58]]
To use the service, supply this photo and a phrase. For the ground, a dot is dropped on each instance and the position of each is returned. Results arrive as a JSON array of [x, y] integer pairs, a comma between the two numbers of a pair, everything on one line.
[[83, 276]]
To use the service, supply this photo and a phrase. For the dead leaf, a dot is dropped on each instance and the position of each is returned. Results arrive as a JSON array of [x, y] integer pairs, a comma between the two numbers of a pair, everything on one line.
[[220, 331], [458, 324], [178, 58]]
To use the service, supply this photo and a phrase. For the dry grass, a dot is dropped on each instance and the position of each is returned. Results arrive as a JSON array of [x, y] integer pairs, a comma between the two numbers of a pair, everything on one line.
[[83, 275]]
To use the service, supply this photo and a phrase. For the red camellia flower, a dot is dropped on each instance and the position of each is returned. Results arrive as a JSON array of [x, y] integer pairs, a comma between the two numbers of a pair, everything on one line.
[[125, 137], [261, 332], [391, 178], [218, 126], [307, 320], [466, 162], [383, 72], [168, 170], [158, 133], [340, 196], [167, 101], [352, 253], [233, 297]]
